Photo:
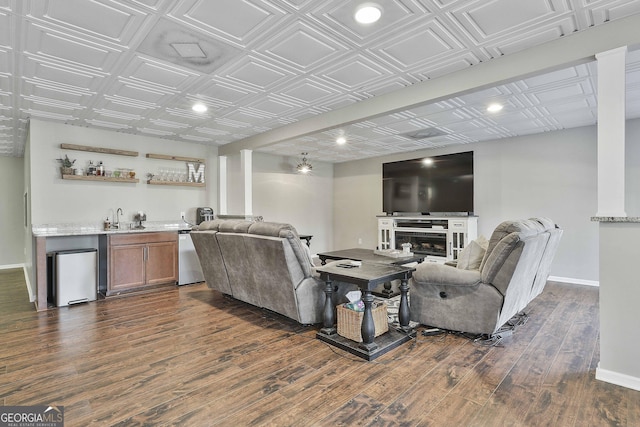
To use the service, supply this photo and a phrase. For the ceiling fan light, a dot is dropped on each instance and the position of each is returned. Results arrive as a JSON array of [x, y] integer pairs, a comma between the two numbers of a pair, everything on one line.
[[304, 166], [368, 13]]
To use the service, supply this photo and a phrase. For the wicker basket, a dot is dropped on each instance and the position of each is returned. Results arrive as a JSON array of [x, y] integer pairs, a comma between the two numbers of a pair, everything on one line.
[[350, 321]]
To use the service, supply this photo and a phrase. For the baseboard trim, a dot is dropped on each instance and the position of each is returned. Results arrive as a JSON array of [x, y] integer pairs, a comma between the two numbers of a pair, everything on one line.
[[617, 378], [10, 266], [32, 297], [574, 281]]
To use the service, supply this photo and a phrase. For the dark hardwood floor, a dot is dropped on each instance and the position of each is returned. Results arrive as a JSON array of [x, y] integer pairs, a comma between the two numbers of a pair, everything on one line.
[[191, 357]]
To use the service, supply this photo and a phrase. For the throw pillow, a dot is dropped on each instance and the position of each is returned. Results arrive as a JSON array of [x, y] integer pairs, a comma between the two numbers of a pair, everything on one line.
[[471, 256]]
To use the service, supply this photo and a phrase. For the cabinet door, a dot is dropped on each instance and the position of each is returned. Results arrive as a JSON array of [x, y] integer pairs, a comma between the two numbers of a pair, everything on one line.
[[162, 263], [126, 267]]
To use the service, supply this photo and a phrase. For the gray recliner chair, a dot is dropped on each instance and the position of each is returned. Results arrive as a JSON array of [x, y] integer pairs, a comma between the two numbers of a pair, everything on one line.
[[513, 271]]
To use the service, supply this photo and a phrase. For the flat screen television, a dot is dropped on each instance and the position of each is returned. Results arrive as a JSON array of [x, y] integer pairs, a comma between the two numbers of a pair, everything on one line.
[[428, 185]]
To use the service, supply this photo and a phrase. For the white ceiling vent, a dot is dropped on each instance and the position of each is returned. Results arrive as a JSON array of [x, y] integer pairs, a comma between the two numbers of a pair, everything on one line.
[[424, 133], [189, 50], [171, 42]]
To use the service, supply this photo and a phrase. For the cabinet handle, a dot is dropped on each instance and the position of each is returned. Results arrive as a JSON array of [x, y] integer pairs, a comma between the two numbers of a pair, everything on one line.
[[146, 253]]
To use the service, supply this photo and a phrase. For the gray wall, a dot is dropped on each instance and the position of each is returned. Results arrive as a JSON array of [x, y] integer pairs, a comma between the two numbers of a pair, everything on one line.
[[12, 249], [55, 200], [552, 174], [281, 194], [619, 298]]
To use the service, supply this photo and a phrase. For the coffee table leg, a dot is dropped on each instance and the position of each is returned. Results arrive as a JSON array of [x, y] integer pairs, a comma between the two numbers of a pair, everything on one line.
[[403, 311], [368, 329], [329, 320]]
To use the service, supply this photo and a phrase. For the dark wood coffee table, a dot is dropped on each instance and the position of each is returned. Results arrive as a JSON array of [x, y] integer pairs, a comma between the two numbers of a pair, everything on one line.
[[360, 254], [366, 277]]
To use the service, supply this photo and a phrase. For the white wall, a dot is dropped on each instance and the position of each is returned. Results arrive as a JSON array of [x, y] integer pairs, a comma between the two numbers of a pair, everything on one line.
[[551, 174], [55, 200], [11, 211], [280, 194]]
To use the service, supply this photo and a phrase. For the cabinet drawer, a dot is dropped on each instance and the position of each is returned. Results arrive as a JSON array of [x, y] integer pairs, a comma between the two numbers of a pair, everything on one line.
[[138, 238]]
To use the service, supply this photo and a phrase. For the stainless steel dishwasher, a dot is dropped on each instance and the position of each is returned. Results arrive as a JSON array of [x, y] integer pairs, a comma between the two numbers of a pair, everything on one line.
[[189, 270]]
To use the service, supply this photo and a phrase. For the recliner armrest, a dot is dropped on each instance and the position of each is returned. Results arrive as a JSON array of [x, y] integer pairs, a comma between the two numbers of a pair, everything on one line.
[[445, 275]]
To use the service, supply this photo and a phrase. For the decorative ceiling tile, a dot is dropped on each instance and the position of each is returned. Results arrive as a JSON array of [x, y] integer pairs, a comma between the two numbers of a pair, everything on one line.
[[162, 40], [156, 73], [108, 124], [478, 18], [233, 20], [427, 43], [157, 132], [5, 62], [527, 39], [339, 16], [55, 94], [169, 124], [152, 4], [5, 88], [308, 91], [302, 47], [277, 62], [257, 73], [601, 12], [134, 91], [70, 49], [354, 72], [104, 20], [5, 30]]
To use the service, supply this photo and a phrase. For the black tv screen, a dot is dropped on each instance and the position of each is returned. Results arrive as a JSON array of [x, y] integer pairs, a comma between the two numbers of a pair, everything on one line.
[[429, 185]]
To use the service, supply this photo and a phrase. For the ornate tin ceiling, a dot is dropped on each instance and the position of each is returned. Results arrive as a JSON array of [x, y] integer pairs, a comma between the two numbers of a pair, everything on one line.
[[267, 63]]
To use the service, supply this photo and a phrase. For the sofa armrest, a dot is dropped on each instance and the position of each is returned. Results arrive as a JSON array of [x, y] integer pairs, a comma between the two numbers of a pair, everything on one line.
[[445, 275]]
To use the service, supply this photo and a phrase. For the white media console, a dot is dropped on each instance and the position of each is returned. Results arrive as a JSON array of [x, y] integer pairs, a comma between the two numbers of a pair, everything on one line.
[[440, 239]]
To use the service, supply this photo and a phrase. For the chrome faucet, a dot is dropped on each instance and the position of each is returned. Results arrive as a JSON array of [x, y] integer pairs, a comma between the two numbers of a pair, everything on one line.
[[116, 223]]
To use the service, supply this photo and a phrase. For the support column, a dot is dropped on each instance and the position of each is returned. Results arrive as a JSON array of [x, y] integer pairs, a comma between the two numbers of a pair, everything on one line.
[[619, 292], [611, 132], [222, 185], [246, 167]]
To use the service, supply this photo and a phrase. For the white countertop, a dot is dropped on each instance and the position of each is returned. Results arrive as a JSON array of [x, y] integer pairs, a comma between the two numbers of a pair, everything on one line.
[[86, 229], [615, 218]]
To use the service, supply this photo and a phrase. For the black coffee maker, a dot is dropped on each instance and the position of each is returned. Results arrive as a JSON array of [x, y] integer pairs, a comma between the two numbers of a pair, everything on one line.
[[204, 214]]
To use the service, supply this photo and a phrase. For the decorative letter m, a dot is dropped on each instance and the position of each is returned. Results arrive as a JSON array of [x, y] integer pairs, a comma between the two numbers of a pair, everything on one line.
[[196, 176]]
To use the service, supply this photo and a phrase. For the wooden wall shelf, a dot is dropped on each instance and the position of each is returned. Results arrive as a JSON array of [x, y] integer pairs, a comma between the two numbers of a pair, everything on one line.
[[99, 150], [178, 158], [183, 184], [99, 178]]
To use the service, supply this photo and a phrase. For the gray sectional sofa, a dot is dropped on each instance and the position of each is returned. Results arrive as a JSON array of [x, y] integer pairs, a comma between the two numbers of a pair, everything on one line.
[[262, 263], [480, 297]]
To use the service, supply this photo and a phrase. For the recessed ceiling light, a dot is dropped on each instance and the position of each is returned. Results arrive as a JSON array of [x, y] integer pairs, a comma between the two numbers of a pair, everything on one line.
[[368, 13], [199, 107], [341, 140], [494, 108]]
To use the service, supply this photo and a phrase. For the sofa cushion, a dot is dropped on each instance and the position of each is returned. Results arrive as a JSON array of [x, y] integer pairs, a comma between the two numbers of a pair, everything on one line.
[[494, 261], [471, 256], [286, 231], [212, 225], [525, 228], [235, 226], [273, 229]]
